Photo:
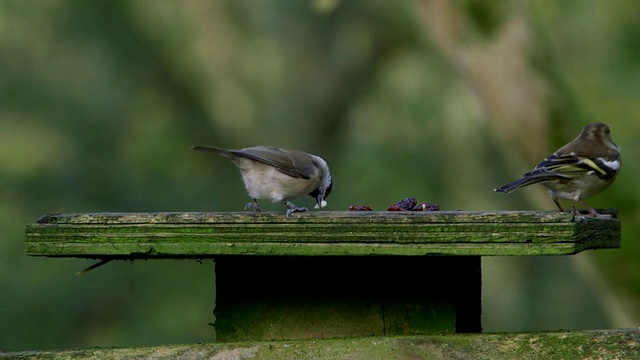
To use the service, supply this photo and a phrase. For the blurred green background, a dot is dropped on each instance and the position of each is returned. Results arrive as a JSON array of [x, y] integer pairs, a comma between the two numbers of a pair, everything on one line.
[[438, 100]]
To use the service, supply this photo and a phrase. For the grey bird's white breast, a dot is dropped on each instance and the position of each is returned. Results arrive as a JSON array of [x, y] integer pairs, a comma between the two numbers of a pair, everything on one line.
[[265, 182]]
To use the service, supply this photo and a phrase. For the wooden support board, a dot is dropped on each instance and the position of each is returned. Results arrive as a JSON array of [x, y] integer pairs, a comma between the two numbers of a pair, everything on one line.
[[267, 297]]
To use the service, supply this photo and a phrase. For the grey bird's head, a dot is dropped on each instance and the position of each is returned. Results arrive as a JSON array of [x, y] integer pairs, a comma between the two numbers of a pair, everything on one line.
[[323, 191]]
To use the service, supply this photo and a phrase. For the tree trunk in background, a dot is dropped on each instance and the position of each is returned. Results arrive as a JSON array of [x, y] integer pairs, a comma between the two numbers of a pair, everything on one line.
[[500, 58], [492, 51]]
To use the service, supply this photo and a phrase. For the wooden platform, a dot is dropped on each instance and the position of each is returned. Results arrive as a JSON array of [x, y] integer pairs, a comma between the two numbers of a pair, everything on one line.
[[330, 274], [201, 235]]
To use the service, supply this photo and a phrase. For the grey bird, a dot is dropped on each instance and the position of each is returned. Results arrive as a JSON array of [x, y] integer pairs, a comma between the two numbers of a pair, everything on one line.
[[579, 170], [279, 175]]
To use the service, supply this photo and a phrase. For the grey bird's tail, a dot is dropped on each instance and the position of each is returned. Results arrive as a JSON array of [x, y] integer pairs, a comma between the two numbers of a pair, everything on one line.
[[213, 149]]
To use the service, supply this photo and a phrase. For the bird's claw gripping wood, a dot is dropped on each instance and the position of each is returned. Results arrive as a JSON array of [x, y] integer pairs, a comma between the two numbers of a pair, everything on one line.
[[293, 208], [252, 205]]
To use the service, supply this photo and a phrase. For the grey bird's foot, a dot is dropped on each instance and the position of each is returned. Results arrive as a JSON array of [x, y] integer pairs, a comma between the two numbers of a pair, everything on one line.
[[293, 208], [252, 205]]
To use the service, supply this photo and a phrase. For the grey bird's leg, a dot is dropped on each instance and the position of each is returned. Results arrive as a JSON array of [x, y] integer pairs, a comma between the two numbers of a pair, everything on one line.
[[252, 205]]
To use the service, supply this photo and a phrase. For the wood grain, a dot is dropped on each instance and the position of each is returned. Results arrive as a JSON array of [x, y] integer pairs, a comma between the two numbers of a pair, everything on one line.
[[201, 235]]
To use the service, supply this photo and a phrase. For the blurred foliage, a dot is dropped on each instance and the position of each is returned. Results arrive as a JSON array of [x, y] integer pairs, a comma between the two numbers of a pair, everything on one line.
[[437, 100]]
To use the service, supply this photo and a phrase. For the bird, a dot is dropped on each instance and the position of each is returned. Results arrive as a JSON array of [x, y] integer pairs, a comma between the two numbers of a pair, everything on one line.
[[279, 175], [579, 170]]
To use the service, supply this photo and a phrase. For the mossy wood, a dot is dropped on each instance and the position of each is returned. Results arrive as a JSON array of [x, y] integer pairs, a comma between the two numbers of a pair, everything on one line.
[[201, 235], [568, 345]]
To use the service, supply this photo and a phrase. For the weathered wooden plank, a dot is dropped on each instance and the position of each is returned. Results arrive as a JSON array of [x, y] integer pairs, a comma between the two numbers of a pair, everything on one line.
[[197, 235], [322, 217], [589, 344], [204, 250]]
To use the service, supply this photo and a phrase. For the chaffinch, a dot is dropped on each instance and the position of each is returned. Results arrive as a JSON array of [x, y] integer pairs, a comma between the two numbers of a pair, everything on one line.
[[579, 170]]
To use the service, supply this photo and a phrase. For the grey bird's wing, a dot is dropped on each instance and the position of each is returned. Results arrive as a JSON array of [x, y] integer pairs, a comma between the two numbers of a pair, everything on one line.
[[295, 163]]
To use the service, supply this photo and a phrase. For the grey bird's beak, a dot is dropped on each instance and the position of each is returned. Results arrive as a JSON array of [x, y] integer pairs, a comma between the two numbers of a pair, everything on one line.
[[320, 202]]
